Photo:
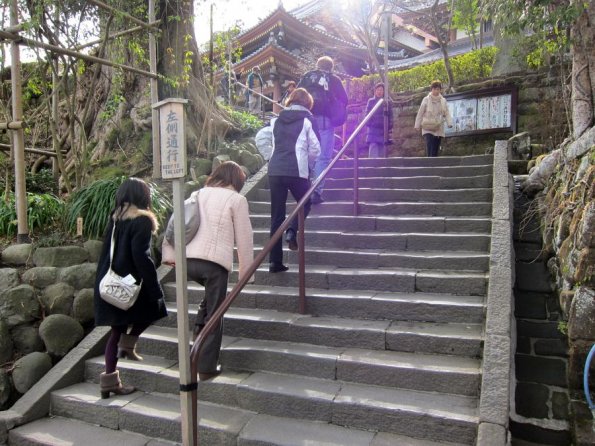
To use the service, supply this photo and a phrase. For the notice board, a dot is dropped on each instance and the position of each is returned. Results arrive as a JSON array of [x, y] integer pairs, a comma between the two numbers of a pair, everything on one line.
[[486, 111]]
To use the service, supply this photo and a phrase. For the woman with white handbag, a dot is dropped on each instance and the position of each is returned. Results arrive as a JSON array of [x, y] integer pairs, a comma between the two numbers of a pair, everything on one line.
[[432, 114], [126, 253]]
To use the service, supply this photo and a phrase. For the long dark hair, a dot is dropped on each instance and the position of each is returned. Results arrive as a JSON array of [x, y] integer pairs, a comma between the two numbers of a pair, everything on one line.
[[133, 191], [226, 174]]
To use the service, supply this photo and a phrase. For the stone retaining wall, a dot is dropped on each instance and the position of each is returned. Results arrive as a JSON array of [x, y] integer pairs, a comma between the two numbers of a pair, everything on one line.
[[563, 186], [46, 306], [540, 111]]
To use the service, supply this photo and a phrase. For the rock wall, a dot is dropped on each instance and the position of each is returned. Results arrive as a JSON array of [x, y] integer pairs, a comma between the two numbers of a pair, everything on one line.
[[540, 111], [540, 413], [46, 306], [563, 185]]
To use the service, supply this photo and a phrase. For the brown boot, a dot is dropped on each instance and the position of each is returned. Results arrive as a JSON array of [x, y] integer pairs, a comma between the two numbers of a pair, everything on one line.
[[127, 348], [110, 382]]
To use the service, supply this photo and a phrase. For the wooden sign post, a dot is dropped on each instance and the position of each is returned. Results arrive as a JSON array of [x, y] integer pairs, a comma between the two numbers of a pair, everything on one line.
[[172, 139]]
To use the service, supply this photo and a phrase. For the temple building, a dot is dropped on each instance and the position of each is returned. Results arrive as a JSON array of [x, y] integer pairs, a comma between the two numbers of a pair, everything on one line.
[[286, 44]]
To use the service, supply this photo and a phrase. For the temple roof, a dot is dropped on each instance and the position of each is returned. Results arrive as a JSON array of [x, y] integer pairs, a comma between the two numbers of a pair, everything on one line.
[[289, 41]]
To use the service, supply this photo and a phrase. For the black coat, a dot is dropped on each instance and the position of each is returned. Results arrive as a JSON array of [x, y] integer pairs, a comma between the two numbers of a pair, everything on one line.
[[376, 122], [131, 256]]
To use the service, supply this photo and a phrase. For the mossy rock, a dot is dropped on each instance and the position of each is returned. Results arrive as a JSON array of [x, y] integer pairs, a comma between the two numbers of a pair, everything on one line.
[[202, 167]]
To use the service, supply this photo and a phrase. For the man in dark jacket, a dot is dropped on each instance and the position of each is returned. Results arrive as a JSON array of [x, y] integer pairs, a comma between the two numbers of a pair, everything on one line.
[[375, 137], [295, 150], [330, 102], [255, 84]]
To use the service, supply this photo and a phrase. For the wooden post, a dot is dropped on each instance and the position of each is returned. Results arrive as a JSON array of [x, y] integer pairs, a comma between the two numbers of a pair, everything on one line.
[[211, 71], [18, 136], [154, 95], [173, 166], [386, 92], [277, 94]]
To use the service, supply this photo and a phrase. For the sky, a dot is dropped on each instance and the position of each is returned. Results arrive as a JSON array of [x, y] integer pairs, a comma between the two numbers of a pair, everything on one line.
[[227, 12]]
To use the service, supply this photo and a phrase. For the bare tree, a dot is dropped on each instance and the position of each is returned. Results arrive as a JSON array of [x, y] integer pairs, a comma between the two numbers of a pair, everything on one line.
[[95, 100], [430, 10], [364, 19]]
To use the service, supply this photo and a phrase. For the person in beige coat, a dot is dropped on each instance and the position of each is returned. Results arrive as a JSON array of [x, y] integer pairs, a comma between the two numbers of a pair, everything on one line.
[[224, 222], [432, 114]]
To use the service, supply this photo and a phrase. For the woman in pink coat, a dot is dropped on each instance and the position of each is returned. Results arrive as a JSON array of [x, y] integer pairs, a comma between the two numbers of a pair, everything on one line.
[[224, 223]]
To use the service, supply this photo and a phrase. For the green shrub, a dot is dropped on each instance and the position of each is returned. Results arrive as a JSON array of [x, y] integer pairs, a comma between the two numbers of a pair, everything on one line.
[[41, 182], [43, 211], [466, 67], [245, 123], [95, 202]]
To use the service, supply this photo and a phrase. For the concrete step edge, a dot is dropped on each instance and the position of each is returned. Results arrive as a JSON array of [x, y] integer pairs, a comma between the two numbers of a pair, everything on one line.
[[70, 431]]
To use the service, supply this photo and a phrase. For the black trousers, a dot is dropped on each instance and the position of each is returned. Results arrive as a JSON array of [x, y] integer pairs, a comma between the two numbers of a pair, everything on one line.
[[214, 278], [279, 187], [432, 144]]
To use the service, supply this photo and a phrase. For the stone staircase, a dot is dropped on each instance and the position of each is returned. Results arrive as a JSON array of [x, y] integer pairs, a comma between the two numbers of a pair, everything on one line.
[[388, 352]]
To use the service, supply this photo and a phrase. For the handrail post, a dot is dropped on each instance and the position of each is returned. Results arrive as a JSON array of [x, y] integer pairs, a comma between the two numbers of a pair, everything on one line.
[[355, 178], [302, 260]]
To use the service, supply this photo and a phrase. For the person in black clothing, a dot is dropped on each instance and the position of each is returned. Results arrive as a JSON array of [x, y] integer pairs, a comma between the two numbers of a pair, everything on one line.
[[375, 137], [295, 150], [134, 224], [330, 101]]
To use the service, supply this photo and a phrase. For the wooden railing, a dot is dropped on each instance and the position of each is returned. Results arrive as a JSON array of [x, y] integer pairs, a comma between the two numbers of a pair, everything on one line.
[[215, 318]]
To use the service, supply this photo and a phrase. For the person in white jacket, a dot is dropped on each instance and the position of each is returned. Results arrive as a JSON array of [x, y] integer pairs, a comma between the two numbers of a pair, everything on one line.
[[224, 222], [432, 114], [296, 147]]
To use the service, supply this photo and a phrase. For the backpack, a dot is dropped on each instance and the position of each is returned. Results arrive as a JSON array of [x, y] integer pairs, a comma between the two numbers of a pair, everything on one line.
[[191, 220], [264, 142], [317, 83]]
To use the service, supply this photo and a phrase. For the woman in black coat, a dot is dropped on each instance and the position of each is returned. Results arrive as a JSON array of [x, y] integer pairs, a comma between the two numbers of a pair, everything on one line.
[[134, 224]]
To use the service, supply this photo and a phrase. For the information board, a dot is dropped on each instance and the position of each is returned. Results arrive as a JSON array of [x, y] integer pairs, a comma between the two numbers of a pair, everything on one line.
[[482, 112]]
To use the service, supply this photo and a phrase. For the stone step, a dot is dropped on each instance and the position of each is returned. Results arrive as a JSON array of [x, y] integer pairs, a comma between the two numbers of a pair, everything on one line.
[[456, 260], [409, 370], [327, 400], [470, 160], [401, 280], [369, 195], [70, 431], [464, 339], [445, 418], [412, 171], [218, 424], [466, 209], [385, 242], [153, 415], [417, 224], [438, 307], [416, 182]]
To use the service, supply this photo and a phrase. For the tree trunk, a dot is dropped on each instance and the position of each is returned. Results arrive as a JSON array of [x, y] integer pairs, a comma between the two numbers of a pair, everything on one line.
[[178, 59], [443, 46], [583, 71]]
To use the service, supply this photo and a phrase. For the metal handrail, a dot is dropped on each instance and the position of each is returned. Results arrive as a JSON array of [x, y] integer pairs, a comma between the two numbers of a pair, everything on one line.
[[213, 322], [259, 94]]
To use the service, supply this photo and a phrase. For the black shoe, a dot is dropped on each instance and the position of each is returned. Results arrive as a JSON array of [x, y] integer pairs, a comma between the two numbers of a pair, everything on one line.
[[205, 376], [316, 198], [291, 240], [277, 268]]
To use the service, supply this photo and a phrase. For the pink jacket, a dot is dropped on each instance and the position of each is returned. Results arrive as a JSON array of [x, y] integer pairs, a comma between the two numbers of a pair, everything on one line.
[[224, 222]]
